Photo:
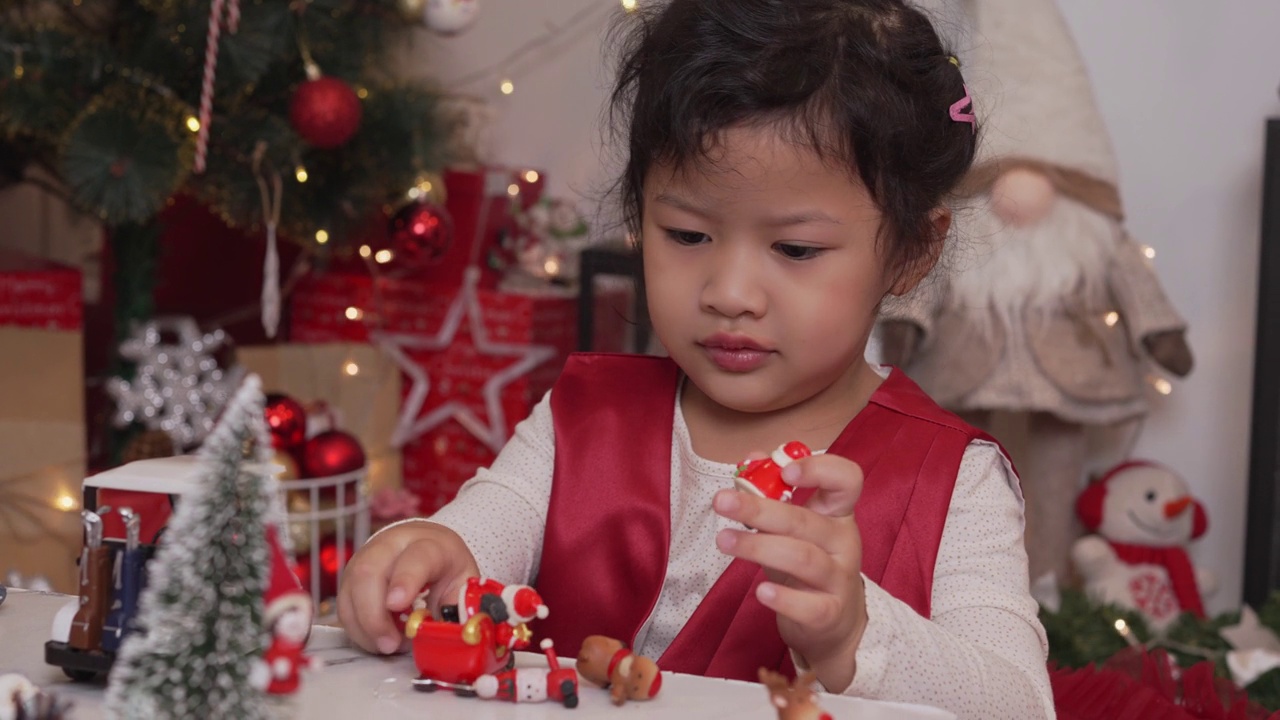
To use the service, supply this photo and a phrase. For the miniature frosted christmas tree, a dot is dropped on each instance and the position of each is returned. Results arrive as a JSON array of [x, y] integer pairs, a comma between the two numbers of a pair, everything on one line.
[[200, 626]]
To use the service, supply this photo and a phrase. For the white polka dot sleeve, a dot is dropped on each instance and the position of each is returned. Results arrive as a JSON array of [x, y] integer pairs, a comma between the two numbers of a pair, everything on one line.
[[501, 513], [982, 655]]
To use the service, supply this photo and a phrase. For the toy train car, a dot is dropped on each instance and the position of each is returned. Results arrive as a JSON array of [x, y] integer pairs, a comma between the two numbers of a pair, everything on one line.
[[125, 513]]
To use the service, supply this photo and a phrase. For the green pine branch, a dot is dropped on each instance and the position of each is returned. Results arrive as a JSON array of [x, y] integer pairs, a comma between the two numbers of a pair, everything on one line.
[[1082, 633]]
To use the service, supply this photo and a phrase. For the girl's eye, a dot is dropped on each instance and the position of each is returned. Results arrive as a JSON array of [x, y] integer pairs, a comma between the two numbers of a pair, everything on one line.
[[687, 237], [797, 252]]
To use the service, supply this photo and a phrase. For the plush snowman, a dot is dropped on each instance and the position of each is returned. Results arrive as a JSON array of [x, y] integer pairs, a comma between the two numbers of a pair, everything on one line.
[[1143, 517]]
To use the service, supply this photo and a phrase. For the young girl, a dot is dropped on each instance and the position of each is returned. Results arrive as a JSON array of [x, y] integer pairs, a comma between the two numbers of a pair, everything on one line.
[[789, 164]]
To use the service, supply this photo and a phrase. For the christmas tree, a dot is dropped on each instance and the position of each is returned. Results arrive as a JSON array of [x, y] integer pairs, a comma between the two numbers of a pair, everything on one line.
[[130, 103], [200, 623], [280, 116]]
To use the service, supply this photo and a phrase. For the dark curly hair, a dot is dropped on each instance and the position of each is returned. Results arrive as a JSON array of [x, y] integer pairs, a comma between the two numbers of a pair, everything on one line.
[[864, 83]]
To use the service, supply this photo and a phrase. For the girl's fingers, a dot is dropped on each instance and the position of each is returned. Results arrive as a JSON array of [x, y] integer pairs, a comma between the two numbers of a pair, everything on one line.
[[838, 481], [831, 534], [806, 608], [362, 603], [799, 560]]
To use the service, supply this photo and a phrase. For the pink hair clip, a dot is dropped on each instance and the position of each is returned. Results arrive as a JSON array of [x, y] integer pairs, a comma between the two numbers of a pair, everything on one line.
[[957, 110]]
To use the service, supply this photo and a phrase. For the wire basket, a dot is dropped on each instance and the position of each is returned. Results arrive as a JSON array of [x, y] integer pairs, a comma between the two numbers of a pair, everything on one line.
[[338, 508]]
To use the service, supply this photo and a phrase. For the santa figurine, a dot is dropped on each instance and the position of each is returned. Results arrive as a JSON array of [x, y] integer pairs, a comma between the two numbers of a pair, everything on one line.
[[763, 477], [512, 607], [287, 613], [1052, 316], [1144, 518]]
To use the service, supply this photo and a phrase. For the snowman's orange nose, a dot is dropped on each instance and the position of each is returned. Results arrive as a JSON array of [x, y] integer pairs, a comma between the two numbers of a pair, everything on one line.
[[1174, 508]]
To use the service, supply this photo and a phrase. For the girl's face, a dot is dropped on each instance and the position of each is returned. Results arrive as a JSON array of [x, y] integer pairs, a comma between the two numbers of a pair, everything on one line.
[[763, 272]]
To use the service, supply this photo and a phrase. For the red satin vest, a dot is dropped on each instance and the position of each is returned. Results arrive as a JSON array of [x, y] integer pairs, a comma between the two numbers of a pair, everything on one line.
[[608, 532]]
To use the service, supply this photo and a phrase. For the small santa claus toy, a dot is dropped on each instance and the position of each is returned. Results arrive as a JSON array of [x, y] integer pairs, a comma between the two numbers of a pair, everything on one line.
[[512, 607], [287, 615], [763, 477], [1143, 517]]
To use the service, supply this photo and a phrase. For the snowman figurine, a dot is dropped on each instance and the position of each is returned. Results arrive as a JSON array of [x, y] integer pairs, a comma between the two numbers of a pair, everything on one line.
[[1143, 517]]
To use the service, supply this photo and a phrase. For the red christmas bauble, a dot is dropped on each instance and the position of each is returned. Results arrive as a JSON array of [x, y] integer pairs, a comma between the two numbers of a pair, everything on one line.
[[332, 452], [329, 558], [287, 421], [421, 233], [325, 112]]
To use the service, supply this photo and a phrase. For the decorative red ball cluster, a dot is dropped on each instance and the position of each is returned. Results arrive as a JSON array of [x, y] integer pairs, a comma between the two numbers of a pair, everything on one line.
[[323, 455], [332, 452]]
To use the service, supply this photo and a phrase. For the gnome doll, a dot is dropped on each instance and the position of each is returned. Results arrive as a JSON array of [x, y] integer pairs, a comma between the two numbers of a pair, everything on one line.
[[1051, 312], [287, 613], [1144, 517]]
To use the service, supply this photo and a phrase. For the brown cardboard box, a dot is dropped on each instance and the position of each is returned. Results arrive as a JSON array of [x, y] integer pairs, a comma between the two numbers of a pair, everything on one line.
[[42, 453], [367, 403]]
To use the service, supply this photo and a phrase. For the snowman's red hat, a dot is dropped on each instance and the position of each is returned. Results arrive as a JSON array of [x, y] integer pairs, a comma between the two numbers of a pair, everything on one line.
[[1089, 505]]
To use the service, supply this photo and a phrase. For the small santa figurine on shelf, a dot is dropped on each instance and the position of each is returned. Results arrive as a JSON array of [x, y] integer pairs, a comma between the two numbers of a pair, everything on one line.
[[287, 615]]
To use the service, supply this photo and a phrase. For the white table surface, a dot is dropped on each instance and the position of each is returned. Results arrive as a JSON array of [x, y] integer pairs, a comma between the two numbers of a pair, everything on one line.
[[356, 686]]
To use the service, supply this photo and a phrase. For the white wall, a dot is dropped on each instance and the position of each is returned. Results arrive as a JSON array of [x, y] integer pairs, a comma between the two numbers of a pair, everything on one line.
[[1185, 87]]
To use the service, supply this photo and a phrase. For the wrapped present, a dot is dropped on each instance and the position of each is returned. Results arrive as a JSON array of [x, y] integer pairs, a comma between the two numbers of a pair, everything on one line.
[[483, 202], [42, 427], [339, 307]]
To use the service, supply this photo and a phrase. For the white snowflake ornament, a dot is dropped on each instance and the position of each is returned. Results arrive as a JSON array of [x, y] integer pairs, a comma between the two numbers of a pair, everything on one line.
[[177, 385], [1144, 517]]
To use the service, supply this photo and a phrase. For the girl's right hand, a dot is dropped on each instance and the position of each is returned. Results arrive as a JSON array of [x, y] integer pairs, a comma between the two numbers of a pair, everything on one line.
[[382, 579]]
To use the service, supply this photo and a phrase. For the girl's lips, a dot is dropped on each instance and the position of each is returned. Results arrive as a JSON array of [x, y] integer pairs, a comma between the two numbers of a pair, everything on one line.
[[729, 341], [736, 359]]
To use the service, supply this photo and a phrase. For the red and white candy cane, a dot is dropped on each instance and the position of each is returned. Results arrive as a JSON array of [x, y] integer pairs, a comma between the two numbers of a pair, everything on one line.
[[210, 69]]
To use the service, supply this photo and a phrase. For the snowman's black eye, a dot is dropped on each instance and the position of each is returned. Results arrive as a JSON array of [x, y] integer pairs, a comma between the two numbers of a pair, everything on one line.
[[1151, 496]]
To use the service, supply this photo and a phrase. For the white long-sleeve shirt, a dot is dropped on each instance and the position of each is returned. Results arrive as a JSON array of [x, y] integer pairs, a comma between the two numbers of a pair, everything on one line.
[[982, 655]]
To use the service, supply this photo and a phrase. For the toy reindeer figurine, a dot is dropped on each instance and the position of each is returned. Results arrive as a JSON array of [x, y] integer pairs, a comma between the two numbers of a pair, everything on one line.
[[609, 664], [795, 701]]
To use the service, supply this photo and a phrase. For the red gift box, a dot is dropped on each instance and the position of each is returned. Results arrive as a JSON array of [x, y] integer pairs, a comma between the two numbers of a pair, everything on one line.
[[482, 206], [343, 307], [37, 293]]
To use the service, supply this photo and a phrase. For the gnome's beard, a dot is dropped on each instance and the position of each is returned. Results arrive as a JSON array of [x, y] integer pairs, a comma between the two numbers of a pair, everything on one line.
[[1008, 270]]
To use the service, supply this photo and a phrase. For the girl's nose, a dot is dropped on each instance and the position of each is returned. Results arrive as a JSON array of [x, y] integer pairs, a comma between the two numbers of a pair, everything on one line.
[[732, 286]]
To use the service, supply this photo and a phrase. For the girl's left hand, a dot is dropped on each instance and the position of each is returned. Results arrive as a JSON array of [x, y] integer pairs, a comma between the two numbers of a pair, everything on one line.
[[812, 557]]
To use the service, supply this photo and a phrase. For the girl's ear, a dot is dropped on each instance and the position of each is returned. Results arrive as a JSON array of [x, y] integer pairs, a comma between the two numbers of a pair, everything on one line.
[[910, 274]]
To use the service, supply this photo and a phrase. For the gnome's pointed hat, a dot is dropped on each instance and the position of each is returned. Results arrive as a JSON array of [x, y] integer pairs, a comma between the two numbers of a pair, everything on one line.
[[283, 592], [1036, 104]]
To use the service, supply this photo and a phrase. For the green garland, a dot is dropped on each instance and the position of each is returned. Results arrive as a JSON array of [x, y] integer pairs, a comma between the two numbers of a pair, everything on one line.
[[1083, 632]]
